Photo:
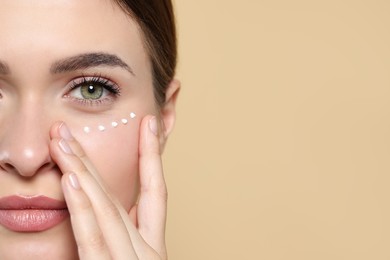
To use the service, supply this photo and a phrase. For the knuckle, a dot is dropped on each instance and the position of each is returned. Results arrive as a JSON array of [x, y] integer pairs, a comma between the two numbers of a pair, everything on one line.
[[156, 185], [160, 191], [95, 243], [85, 206], [77, 149], [163, 193], [83, 171], [82, 155], [111, 211]]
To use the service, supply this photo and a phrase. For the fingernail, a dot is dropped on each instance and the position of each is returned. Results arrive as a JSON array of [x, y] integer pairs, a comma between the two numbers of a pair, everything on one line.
[[65, 146], [153, 125], [74, 181], [64, 132]]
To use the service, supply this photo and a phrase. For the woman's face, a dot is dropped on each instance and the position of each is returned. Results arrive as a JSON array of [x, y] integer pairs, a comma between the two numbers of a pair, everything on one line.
[[81, 62]]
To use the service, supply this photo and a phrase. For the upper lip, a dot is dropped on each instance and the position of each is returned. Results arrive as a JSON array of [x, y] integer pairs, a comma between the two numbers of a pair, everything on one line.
[[17, 202]]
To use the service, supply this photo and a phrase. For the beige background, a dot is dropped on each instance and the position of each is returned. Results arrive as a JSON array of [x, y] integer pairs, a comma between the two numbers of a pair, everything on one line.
[[281, 149]]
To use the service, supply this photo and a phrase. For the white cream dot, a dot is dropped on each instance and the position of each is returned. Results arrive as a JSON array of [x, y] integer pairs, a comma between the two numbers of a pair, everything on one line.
[[114, 124], [87, 129], [124, 121], [132, 115], [101, 128]]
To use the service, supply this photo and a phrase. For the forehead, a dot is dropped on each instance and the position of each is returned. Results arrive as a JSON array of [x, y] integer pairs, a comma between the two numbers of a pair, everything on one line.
[[54, 29]]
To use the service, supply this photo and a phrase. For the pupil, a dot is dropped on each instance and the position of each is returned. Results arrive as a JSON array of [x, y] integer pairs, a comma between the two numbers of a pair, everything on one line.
[[91, 89]]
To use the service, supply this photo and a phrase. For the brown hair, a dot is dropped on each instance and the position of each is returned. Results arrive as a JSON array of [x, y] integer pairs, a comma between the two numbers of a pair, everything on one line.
[[157, 22]]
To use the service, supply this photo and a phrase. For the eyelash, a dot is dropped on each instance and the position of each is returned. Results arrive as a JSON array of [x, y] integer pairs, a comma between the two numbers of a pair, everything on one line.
[[111, 87]]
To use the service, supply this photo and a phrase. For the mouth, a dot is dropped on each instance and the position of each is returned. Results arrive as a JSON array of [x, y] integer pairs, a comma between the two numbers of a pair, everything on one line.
[[32, 213]]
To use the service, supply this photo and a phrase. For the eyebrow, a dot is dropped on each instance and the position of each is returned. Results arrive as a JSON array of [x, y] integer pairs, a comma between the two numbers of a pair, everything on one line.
[[88, 60]]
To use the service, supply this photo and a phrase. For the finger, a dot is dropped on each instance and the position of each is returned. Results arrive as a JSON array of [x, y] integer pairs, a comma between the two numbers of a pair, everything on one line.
[[89, 238], [106, 212], [60, 131], [133, 216], [139, 245], [152, 206]]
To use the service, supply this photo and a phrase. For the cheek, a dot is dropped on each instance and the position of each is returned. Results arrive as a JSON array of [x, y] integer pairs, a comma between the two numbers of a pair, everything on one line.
[[111, 144]]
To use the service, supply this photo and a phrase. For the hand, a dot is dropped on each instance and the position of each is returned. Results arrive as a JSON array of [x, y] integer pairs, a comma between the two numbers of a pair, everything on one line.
[[101, 226]]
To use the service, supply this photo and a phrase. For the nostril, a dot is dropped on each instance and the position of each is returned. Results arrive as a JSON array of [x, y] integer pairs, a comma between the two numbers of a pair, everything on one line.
[[7, 167], [46, 166], [26, 163]]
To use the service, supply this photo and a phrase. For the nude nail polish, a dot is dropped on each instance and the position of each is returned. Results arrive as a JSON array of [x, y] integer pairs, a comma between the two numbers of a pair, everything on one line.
[[153, 125], [74, 182], [64, 132], [65, 146]]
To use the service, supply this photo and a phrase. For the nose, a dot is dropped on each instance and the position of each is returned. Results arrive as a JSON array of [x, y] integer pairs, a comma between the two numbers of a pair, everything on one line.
[[24, 144]]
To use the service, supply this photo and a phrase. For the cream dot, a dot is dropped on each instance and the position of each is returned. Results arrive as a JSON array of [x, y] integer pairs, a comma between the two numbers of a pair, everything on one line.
[[124, 121], [132, 115], [114, 124], [101, 128], [87, 129]]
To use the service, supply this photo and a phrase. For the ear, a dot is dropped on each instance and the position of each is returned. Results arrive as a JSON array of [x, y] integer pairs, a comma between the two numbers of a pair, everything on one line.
[[168, 112]]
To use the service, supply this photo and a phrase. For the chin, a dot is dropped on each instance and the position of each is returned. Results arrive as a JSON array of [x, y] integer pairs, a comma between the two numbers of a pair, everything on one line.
[[55, 243]]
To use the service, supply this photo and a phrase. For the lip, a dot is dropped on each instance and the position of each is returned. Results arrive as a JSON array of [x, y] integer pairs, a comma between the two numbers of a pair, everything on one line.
[[31, 213]]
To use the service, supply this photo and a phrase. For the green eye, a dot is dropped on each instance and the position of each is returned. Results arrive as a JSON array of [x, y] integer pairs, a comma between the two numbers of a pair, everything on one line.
[[91, 91]]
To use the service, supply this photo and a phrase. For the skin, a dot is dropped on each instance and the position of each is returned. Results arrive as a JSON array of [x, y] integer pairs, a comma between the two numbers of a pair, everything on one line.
[[43, 149]]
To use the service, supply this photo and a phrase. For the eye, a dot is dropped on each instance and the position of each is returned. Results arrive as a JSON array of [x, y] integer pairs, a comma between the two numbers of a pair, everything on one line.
[[93, 90]]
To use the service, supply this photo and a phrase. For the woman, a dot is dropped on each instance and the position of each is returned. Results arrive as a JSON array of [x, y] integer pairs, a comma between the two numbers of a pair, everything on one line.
[[87, 101]]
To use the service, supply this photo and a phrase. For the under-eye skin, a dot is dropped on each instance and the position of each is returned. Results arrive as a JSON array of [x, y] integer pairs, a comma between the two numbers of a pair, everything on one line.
[[91, 91]]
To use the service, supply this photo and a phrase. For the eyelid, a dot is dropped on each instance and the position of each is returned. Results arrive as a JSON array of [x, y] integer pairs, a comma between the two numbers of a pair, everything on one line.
[[113, 89], [94, 79]]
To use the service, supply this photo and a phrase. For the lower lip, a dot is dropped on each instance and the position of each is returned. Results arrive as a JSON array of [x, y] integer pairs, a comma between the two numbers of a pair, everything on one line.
[[32, 220]]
